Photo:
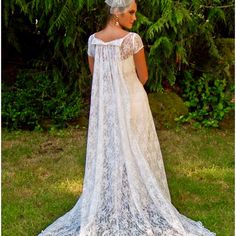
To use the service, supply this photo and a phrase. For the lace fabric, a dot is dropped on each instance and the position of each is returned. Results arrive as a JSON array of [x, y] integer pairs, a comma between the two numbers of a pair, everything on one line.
[[125, 190]]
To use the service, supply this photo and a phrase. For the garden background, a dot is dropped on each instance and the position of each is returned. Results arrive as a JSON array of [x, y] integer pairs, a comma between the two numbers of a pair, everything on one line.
[[46, 94]]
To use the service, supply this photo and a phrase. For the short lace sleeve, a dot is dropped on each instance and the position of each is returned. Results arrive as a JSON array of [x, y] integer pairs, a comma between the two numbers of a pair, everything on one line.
[[137, 43], [91, 47]]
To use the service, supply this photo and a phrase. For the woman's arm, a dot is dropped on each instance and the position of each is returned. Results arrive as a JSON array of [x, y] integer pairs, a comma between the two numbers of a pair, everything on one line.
[[91, 63], [141, 66]]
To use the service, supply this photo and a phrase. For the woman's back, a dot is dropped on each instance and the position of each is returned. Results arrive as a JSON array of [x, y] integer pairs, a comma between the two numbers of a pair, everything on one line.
[[108, 34], [126, 45]]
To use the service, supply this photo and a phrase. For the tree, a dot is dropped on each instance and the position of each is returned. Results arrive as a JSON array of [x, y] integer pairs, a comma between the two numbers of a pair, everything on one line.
[[178, 36]]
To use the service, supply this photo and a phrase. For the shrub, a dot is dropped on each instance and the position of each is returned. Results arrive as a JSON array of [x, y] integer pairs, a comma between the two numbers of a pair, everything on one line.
[[33, 100], [179, 36], [208, 99]]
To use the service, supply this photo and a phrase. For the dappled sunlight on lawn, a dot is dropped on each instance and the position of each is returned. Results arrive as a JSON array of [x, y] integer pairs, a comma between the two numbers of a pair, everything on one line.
[[70, 186], [42, 176]]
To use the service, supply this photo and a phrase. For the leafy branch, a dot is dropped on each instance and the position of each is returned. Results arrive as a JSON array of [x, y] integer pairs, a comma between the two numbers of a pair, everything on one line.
[[225, 6]]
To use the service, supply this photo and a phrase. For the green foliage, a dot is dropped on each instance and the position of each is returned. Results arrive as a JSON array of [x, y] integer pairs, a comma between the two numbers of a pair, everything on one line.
[[55, 75], [165, 107], [173, 31], [51, 37], [182, 45], [35, 99], [208, 99]]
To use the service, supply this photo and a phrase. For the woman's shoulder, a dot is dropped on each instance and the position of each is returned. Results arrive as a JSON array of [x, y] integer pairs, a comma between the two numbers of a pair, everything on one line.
[[120, 33], [136, 35], [125, 36], [98, 33], [90, 38], [91, 35], [110, 35]]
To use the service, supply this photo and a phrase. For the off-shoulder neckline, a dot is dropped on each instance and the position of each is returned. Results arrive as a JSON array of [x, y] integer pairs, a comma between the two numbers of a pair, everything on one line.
[[94, 35]]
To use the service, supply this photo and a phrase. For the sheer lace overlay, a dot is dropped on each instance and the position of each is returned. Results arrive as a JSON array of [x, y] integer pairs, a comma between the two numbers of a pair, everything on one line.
[[125, 190]]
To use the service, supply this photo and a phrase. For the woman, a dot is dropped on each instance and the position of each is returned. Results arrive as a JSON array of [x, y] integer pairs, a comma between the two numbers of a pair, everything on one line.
[[125, 191]]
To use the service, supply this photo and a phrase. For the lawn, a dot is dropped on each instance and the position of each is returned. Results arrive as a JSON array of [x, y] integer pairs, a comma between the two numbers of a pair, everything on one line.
[[42, 176]]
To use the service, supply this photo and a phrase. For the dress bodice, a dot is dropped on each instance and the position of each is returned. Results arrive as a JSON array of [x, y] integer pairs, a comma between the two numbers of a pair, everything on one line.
[[128, 45], [116, 54]]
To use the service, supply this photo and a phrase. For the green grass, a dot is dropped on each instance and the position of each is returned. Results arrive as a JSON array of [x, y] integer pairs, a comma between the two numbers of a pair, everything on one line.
[[42, 176]]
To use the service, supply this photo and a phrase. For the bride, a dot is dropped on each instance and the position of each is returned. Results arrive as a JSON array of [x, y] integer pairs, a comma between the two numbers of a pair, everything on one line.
[[125, 190]]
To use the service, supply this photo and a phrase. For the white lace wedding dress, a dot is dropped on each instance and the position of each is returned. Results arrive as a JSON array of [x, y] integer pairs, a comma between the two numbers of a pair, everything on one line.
[[125, 191]]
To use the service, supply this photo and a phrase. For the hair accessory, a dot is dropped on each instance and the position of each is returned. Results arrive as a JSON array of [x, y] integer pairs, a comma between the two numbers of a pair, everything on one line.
[[117, 4]]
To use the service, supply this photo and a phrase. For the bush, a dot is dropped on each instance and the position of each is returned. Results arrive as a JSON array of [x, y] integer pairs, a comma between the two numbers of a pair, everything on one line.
[[179, 36], [165, 107], [33, 100], [208, 99]]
